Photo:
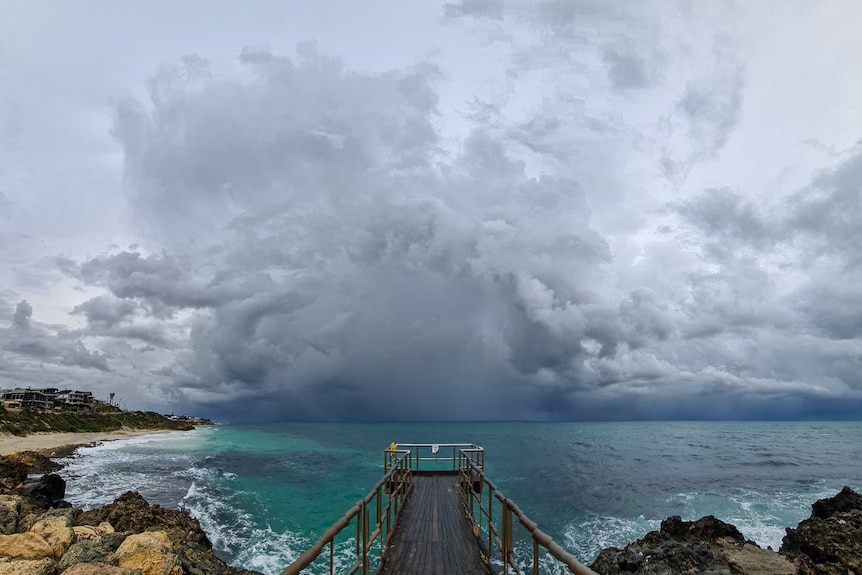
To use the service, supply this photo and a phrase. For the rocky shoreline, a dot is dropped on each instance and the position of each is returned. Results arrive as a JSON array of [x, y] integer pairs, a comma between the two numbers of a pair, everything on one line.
[[41, 534], [829, 542]]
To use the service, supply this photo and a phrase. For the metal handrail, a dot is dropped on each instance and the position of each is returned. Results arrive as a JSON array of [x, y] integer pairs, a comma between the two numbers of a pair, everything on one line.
[[472, 476], [395, 484], [438, 453]]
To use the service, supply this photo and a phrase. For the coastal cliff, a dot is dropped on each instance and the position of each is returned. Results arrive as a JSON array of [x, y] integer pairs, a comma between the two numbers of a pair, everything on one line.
[[100, 418]]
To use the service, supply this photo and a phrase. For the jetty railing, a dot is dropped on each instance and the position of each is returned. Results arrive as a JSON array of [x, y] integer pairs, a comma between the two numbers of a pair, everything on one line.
[[378, 509], [435, 457], [481, 513], [491, 515]]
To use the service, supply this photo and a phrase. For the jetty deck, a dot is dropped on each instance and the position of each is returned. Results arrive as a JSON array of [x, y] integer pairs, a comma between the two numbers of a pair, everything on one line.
[[435, 512], [432, 535]]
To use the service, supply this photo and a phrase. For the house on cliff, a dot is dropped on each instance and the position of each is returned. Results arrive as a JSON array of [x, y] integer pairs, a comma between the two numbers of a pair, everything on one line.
[[44, 399]]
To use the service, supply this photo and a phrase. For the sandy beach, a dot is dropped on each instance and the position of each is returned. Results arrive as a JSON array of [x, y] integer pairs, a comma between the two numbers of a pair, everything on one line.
[[44, 442]]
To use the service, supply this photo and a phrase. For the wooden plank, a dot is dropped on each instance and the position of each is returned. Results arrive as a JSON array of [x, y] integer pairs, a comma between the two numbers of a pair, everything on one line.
[[433, 535]]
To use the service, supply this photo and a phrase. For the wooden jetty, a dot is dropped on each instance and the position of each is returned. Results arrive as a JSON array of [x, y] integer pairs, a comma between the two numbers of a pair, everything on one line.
[[434, 512]]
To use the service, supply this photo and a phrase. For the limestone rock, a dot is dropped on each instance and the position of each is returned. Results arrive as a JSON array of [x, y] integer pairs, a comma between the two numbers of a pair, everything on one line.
[[25, 546], [85, 532], [707, 545], [10, 507], [830, 541], [97, 569], [99, 550], [12, 473], [132, 514], [27, 566], [148, 540], [57, 532], [36, 462], [846, 500], [150, 552]]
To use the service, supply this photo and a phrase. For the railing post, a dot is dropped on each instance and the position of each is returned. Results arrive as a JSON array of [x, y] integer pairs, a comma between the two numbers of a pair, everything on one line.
[[535, 556], [364, 516], [359, 532], [490, 522], [507, 537]]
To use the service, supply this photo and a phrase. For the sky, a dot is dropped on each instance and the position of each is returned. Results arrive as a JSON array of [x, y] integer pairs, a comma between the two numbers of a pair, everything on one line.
[[453, 210]]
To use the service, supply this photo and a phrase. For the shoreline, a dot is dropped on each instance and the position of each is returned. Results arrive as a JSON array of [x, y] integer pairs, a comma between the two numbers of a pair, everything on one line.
[[49, 442]]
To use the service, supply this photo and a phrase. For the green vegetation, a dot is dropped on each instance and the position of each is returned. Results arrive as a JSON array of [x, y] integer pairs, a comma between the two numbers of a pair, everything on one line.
[[102, 418]]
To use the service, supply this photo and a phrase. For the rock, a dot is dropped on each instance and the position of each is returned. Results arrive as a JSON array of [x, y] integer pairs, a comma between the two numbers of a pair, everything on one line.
[[27, 566], [151, 552], [12, 473], [36, 462], [85, 532], [830, 541], [25, 546], [846, 500], [97, 569], [10, 508], [752, 560], [47, 491], [132, 514], [99, 550], [707, 545], [57, 532]]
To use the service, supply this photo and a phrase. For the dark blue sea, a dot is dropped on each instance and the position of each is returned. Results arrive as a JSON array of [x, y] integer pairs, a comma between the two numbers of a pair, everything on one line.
[[264, 493]]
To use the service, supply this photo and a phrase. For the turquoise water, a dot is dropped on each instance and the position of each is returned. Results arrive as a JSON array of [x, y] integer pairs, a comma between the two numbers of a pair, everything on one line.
[[264, 493]]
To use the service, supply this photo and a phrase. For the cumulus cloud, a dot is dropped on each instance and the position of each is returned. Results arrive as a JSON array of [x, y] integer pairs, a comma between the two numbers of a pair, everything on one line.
[[316, 248], [545, 230], [47, 344]]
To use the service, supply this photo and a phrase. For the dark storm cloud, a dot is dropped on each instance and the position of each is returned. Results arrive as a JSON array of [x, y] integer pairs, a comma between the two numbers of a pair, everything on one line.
[[325, 256], [807, 326], [553, 209], [322, 256]]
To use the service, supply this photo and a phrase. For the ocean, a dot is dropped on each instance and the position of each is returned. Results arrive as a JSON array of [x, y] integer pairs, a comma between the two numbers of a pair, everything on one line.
[[264, 493]]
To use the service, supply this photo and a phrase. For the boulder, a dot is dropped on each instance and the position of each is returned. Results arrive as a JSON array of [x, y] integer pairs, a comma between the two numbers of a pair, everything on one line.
[[846, 500], [58, 532], [99, 550], [131, 513], [12, 473], [829, 542], [151, 552], [27, 566], [25, 546], [707, 545], [83, 532], [10, 507], [47, 491], [97, 569]]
